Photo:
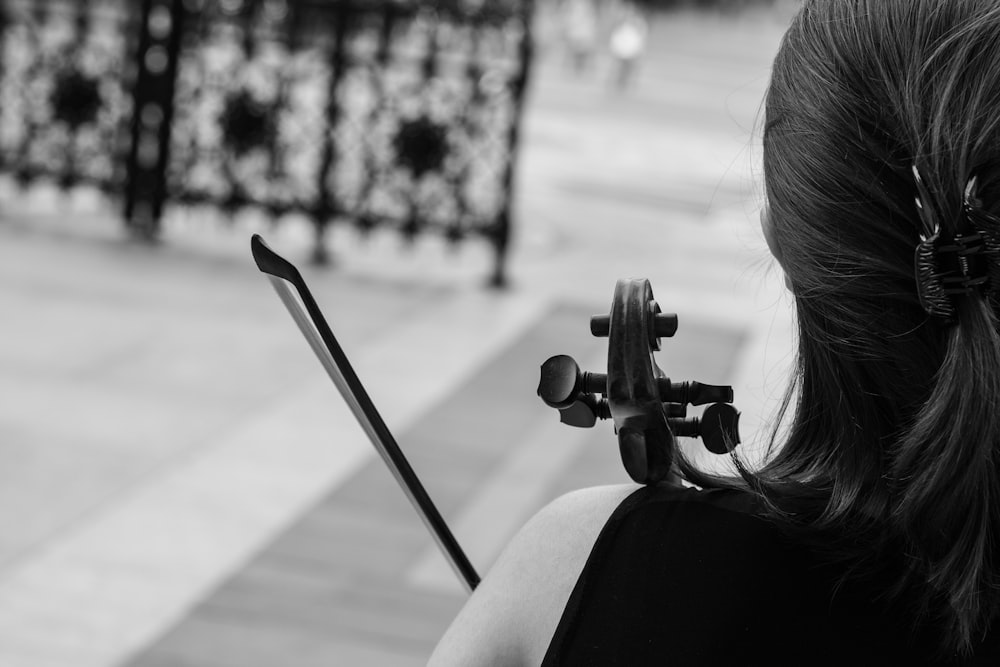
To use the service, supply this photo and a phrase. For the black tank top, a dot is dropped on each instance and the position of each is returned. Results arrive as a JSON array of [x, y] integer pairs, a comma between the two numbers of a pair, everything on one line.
[[686, 577]]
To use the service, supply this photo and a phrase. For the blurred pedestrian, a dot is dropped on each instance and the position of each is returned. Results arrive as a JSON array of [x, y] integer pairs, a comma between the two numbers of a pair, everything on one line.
[[627, 43]]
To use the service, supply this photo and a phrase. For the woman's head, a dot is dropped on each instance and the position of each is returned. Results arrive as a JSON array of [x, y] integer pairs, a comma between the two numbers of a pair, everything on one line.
[[862, 90], [895, 413]]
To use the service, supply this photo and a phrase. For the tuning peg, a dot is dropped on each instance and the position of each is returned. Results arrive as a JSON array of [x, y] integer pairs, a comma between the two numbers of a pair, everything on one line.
[[664, 324], [694, 393], [562, 383], [685, 428], [718, 427], [585, 412]]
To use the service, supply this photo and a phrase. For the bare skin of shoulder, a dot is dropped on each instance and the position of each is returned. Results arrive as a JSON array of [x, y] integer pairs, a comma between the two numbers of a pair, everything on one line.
[[512, 615]]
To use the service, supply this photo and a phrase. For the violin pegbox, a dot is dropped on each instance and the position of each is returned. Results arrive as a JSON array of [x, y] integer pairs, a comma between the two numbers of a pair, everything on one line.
[[649, 411]]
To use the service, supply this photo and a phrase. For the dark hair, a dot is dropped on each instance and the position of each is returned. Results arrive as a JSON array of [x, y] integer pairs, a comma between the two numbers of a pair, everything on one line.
[[893, 442]]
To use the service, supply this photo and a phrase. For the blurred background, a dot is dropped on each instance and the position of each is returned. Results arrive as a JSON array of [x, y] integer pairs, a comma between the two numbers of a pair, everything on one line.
[[461, 182]]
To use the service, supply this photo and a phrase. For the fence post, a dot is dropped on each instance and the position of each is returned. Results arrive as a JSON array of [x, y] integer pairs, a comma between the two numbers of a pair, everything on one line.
[[325, 207], [501, 235], [161, 26]]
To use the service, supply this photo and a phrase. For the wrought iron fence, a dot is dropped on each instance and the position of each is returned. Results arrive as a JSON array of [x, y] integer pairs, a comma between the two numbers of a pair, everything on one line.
[[65, 90], [401, 113]]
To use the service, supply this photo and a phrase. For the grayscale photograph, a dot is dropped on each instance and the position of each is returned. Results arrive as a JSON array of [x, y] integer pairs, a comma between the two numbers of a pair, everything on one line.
[[499, 333]]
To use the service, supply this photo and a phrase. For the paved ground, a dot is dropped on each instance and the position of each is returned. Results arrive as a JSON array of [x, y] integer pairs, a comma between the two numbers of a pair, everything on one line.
[[182, 486]]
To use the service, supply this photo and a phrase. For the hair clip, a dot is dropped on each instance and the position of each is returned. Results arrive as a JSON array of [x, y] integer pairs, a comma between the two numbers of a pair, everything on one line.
[[946, 267], [988, 227], [929, 289]]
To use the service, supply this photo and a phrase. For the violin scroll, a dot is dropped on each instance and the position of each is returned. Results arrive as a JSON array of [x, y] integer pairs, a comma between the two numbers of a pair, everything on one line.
[[649, 411]]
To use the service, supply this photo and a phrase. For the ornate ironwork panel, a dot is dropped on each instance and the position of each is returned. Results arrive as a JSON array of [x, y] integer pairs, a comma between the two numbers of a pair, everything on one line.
[[400, 113], [65, 98], [390, 112]]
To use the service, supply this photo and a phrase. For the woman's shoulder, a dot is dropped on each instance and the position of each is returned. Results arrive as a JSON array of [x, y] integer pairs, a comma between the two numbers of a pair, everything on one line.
[[578, 517], [512, 615]]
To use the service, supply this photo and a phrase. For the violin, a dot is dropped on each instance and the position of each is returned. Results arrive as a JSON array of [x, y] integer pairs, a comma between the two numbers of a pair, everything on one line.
[[648, 409]]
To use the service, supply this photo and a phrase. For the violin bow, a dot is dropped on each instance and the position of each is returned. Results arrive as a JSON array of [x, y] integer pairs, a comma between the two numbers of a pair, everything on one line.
[[300, 304]]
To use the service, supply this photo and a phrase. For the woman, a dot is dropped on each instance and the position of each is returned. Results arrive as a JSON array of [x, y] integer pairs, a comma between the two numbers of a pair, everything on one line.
[[872, 536]]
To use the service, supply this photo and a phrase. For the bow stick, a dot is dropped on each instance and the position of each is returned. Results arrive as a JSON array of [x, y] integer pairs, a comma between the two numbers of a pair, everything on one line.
[[303, 309]]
